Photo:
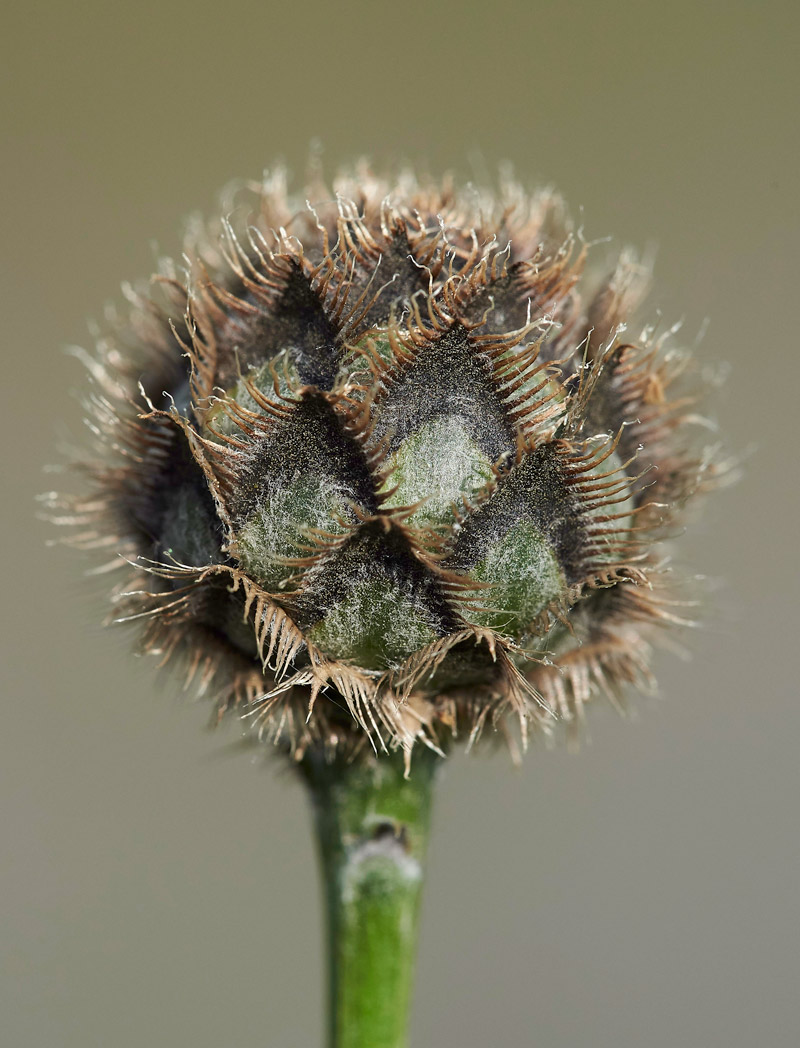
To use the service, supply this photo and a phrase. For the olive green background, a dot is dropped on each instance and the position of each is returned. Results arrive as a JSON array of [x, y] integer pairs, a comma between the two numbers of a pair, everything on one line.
[[158, 880]]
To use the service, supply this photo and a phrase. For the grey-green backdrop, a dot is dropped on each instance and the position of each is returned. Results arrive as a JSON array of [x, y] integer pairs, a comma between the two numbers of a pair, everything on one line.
[[158, 882]]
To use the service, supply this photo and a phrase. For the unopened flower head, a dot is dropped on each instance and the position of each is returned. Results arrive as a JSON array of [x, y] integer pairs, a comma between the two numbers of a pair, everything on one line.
[[380, 465]]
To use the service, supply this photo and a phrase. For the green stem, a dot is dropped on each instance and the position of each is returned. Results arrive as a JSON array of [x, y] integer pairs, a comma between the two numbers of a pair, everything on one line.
[[372, 831]]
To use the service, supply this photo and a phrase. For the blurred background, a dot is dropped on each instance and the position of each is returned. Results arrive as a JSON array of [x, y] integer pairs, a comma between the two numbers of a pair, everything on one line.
[[159, 881]]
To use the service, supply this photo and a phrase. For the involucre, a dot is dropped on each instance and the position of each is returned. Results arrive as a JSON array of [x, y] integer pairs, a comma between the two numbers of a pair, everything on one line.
[[382, 466]]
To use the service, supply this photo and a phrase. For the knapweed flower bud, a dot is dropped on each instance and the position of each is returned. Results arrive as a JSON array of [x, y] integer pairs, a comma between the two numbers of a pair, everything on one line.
[[382, 470]]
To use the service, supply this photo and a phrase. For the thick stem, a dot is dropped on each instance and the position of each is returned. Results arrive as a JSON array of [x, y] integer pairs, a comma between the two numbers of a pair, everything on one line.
[[372, 831]]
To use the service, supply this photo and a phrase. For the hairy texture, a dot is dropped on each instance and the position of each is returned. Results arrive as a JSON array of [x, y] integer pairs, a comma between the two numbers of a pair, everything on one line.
[[379, 470]]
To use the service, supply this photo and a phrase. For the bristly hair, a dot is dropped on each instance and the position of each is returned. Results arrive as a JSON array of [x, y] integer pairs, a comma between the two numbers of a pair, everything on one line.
[[382, 465]]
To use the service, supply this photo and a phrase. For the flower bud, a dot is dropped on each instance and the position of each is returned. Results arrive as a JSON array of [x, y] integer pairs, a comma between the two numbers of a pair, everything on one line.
[[385, 466]]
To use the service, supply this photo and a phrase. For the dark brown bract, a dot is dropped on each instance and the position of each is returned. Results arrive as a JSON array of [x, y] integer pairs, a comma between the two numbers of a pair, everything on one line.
[[377, 467]]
